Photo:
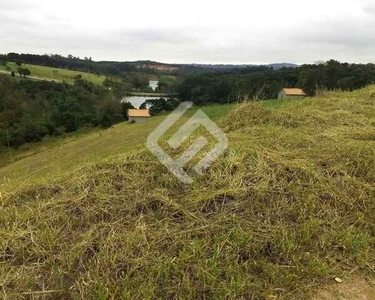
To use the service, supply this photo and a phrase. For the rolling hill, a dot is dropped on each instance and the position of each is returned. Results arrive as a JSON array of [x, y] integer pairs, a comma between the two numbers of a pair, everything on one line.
[[56, 74], [57, 156], [288, 207]]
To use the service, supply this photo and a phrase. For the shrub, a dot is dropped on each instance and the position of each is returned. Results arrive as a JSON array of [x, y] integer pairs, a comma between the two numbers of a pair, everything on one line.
[[32, 132]]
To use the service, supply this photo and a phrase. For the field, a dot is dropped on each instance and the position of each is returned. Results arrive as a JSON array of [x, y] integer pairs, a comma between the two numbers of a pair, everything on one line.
[[287, 208], [56, 73], [57, 156]]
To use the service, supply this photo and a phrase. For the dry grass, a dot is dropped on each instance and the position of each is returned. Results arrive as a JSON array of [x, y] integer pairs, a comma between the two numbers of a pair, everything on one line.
[[290, 204]]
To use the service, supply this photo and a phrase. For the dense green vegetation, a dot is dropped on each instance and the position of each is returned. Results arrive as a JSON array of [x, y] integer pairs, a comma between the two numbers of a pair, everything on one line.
[[128, 82], [167, 85], [30, 110], [265, 83], [157, 106]]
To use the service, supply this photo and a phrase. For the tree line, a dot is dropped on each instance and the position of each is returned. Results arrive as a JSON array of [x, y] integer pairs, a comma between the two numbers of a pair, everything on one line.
[[256, 83], [86, 64], [71, 62]]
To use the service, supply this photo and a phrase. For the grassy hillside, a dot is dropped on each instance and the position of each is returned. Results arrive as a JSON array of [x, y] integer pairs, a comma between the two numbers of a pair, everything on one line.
[[56, 156], [289, 206], [56, 73]]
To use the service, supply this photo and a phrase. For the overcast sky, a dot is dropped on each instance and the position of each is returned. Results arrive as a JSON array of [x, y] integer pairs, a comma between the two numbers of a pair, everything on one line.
[[190, 31]]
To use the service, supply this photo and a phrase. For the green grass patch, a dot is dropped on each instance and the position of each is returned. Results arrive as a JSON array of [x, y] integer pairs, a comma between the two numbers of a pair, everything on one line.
[[54, 157], [56, 74]]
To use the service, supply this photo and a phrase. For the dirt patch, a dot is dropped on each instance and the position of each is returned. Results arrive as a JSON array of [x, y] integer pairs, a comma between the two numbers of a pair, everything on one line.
[[352, 288]]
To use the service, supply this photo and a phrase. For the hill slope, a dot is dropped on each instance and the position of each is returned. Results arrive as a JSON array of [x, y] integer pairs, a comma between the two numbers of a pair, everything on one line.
[[57, 157], [289, 205], [56, 74]]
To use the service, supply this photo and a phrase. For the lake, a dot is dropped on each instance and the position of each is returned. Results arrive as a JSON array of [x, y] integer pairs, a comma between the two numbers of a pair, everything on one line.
[[137, 101]]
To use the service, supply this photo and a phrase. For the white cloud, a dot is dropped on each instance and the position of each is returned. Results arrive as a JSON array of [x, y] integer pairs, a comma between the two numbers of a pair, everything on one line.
[[234, 31]]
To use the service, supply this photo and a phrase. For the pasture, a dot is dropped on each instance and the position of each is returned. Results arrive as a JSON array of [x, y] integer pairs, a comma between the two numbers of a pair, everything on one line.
[[56, 74]]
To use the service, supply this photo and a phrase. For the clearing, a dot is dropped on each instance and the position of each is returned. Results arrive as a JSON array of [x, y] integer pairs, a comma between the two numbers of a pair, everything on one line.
[[56, 74]]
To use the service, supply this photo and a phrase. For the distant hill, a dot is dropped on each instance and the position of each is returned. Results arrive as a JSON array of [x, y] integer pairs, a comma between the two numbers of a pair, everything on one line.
[[276, 66], [116, 67], [158, 66]]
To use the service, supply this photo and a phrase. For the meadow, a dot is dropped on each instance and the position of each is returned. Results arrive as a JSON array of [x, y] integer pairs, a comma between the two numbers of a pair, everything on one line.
[[55, 157], [56, 74], [287, 208]]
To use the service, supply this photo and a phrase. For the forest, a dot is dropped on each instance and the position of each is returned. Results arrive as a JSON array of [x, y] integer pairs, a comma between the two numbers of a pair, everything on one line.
[[262, 83], [30, 110]]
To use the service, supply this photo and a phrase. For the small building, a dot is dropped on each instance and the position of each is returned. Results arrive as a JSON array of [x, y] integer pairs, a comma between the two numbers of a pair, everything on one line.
[[138, 115], [291, 93]]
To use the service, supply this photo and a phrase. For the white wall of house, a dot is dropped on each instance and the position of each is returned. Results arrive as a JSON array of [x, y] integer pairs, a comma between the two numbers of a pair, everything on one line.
[[138, 119], [282, 95]]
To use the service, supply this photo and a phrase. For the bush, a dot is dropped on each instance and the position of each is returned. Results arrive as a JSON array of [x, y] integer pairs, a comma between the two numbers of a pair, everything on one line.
[[60, 131], [70, 121], [110, 113], [159, 105], [124, 107], [15, 139], [33, 132], [49, 126]]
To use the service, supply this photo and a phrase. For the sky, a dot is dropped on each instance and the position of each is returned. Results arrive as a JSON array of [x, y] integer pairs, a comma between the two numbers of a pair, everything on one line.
[[194, 31]]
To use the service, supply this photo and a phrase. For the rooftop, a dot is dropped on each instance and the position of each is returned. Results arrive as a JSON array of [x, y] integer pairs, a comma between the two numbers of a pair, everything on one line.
[[294, 92], [138, 113]]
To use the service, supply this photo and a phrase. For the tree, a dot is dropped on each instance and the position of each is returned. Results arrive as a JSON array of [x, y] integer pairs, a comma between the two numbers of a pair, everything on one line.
[[120, 87], [26, 72], [333, 69], [308, 82], [69, 120], [110, 113], [20, 71], [161, 104], [165, 84], [23, 72], [29, 110], [32, 132], [138, 80], [124, 107]]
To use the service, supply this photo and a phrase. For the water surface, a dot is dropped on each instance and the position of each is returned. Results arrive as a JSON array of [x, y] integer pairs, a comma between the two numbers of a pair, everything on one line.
[[137, 101]]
